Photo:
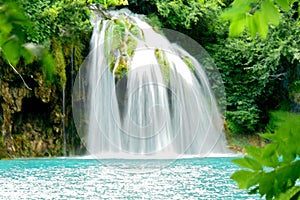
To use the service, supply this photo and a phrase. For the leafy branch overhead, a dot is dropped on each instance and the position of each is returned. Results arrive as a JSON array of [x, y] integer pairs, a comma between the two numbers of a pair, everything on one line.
[[274, 170], [256, 15], [12, 39]]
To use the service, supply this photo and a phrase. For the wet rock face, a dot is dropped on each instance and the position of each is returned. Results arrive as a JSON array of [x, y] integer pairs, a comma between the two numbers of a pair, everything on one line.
[[13, 96], [27, 125], [12, 103], [36, 140], [43, 91]]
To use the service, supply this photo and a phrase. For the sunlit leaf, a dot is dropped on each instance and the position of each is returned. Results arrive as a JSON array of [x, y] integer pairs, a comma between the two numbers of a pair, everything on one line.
[[269, 155], [270, 11], [245, 179], [5, 28], [261, 23], [237, 26], [284, 4], [17, 17], [235, 12], [11, 51], [255, 152], [248, 162], [251, 26], [290, 193], [266, 183]]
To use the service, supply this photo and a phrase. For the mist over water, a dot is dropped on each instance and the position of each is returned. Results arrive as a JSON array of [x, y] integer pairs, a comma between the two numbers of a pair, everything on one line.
[[151, 100]]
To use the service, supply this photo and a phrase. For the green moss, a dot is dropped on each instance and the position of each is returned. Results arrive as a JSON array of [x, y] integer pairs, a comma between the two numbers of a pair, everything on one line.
[[164, 64], [3, 152], [118, 33], [59, 60], [135, 31], [121, 69], [131, 45], [189, 63], [78, 49], [120, 36], [100, 25], [112, 61], [22, 145]]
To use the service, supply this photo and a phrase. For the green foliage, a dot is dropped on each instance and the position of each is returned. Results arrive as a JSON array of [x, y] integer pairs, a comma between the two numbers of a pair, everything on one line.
[[256, 15], [68, 19], [185, 14], [243, 120], [13, 45], [253, 73], [11, 34], [110, 3], [195, 18], [62, 27], [273, 171]]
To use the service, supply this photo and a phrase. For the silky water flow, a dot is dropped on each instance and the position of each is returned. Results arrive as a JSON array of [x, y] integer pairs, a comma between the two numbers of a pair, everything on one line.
[[138, 94]]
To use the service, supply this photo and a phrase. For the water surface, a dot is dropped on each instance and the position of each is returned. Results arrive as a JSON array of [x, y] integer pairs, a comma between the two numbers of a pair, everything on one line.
[[70, 178]]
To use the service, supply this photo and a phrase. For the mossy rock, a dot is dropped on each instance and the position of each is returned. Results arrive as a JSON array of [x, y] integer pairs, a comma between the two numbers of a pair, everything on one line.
[[163, 64], [121, 36], [187, 60], [121, 69]]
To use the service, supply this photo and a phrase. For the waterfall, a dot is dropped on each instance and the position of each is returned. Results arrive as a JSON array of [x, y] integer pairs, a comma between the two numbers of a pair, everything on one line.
[[139, 94], [64, 121]]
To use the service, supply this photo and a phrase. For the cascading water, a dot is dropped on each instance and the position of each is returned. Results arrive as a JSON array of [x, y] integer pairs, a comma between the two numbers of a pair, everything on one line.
[[138, 94]]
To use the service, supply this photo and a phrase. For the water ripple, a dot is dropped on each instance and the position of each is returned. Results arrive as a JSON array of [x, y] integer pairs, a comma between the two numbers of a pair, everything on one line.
[[90, 179]]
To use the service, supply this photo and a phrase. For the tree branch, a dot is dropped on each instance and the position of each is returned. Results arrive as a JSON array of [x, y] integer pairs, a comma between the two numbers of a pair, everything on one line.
[[20, 76], [278, 76]]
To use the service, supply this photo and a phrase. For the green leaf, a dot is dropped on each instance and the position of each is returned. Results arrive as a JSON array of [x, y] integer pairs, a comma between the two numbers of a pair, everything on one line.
[[290, 193], [261, 24], [248, 162], [229, 13], [237, 26], [266, 183], [269, 155], [271, 12], [236, 10], [255, 152], [11, 51], [245, 179], [6, 27], [284, 4], [251, 25], [17, 17]]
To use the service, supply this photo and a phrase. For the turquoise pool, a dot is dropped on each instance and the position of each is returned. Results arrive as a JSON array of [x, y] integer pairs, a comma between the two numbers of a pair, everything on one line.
[[71, 178]]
